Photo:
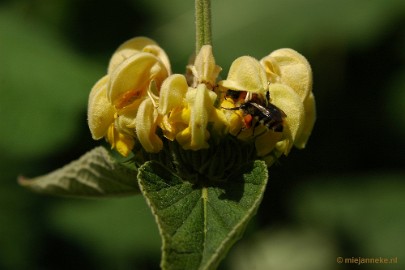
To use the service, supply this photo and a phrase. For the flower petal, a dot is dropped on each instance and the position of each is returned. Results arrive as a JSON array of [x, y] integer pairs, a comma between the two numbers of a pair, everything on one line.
[[272, 69], [310, 117], [121, 142], [293, 68], [285, 98], [130, 80], [175, 122], [234, 117], [205, 69], [125, 122], [201, 102], [145, 124], [246, 74], [172, 93], [100, 112], [159, 53], [220, 125], [124, 144], [128, 49], [265, 143]]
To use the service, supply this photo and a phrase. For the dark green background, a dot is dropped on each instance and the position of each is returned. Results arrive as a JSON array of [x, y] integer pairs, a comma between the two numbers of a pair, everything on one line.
[[342, 196]]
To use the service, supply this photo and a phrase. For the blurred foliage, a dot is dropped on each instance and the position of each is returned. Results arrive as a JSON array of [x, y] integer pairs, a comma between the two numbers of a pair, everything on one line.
[[286, 248], [38, 69], [364, 209], [121, 231], [342, 196]]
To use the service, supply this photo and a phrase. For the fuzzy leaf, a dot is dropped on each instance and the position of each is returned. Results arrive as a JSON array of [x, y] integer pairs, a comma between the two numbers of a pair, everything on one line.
[[95, 174], [199, 223]]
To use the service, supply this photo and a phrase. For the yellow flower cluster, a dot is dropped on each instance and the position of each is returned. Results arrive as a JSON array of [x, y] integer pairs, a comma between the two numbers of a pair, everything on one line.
[[268, 102], [122, 104]]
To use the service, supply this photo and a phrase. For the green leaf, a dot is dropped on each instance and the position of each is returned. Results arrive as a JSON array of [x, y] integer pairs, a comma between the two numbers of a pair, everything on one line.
[[95, 174], [199, 223]]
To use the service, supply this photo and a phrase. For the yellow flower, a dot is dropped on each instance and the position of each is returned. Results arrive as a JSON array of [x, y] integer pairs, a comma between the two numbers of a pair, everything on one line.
[[292, 69], [101, 116], [136, 67], [284, 79]]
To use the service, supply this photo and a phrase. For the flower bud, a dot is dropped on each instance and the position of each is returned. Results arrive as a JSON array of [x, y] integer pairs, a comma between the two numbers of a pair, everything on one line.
[[204, 69]]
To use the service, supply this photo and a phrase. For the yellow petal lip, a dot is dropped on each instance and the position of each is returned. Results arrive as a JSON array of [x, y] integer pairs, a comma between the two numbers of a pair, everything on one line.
[[246, 74], [199, 116], [138, 45], [103, 81], [100, 113], [160, 54], [201, 101], [285, 98], [145, 124], [127, 49], [309, 122], [130, 80], [172, 93], [293, 68]]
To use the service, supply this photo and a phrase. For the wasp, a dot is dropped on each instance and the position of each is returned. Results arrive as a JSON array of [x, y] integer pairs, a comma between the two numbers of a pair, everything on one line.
[[268, 114]]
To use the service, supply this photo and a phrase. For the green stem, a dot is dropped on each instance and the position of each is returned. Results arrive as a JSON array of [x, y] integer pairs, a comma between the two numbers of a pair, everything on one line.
[[202, 23]]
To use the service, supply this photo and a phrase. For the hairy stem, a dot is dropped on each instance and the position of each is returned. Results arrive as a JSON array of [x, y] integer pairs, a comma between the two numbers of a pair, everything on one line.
[[202, 23]]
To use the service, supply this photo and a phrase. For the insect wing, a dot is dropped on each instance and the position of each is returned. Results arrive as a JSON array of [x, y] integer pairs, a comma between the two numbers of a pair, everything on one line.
[[265, 111]]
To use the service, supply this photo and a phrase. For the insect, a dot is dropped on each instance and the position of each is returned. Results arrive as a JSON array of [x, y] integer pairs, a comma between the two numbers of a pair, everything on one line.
[[268, 114]]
